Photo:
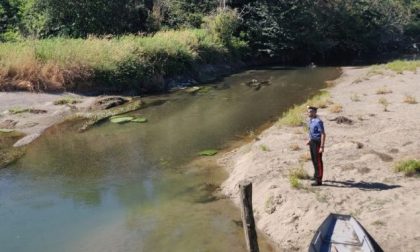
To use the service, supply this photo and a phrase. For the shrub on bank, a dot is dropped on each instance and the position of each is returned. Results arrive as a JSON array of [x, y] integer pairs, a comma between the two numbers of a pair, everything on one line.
[[408, 167], [129, 62]]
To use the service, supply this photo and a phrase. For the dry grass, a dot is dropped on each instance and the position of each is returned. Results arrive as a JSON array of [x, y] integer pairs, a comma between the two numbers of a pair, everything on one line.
[[297, 114], [294, 147], [383, 90], [264, 147], [355, 97], [336, 108], [305, 157], [295, 175], [384, 102], [61, 63], [299, 172], [410, 99], [294, 182], [67, 100], [397, 66]]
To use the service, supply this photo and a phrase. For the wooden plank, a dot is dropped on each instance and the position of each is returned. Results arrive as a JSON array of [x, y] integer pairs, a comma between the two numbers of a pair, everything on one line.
[[248, 216]]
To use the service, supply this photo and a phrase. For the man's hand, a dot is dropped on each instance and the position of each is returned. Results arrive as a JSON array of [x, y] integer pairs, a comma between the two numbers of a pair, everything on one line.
[[321, 149], [309, 141]]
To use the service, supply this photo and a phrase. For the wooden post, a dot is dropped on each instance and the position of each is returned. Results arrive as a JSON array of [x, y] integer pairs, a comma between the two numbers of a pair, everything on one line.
[[248, 216]]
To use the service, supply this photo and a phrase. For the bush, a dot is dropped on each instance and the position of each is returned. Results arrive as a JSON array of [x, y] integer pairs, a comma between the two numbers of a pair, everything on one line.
[[408, 167], [222, 25]]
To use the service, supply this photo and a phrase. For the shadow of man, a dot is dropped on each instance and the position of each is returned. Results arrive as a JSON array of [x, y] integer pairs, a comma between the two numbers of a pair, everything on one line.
[[362, 185]]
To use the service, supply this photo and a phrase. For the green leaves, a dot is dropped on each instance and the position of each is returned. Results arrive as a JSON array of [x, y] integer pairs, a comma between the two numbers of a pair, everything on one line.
[[6, 130], [209, 152], [121, 119], [139, 120], [125, 119]]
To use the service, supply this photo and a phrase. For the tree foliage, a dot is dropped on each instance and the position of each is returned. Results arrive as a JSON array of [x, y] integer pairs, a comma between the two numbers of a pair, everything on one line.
[[306, 29]]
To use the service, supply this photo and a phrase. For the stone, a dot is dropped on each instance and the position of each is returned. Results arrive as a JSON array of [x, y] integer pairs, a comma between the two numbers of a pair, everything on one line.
[[103, 103]]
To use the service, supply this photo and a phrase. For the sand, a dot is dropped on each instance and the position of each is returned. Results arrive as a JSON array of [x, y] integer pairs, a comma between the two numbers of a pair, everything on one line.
[[358, 159]]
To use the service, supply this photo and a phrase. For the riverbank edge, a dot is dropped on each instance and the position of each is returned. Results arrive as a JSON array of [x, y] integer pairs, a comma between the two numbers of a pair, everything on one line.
[[200, 76], [243, 163]]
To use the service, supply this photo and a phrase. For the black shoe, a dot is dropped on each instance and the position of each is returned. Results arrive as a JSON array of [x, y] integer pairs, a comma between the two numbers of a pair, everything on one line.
[[318, 183]]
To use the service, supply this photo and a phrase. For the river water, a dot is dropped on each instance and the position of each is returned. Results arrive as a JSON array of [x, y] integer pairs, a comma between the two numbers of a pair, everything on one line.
[[141, 187]]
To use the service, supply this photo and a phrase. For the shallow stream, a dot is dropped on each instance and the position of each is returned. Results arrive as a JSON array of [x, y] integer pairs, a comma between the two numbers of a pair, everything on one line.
[[141, 187]]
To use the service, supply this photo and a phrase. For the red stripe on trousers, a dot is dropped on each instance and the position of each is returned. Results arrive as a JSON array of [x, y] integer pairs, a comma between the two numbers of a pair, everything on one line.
[[320, 168]]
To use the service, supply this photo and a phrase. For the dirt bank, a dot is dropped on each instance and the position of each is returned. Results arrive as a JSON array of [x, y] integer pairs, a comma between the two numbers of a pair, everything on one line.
[[359, 158]]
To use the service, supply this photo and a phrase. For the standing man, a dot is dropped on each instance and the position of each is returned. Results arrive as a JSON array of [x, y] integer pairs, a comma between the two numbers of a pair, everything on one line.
[[316, 143]]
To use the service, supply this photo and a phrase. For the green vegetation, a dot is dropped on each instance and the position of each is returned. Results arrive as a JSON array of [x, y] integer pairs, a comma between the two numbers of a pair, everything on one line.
[[91, 119], [210, 152], [128, 62], [134, 44], [408, 167], [9, 154], [384, 102], [264, 147], [67, 100], [124, 119], [121, 119], [294, 182], [296, 115], [18, 110], [398, 66], [299, 173], [383, 90]]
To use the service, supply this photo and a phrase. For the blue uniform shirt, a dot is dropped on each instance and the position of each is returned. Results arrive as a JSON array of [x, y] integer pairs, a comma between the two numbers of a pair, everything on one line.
[[316, 127]]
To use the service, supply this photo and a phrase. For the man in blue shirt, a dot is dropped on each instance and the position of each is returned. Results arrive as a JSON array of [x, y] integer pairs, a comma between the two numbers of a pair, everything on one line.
[[316, 143]]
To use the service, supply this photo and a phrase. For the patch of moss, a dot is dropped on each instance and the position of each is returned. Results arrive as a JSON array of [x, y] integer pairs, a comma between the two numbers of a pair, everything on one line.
[[67, 100], [8, 153]]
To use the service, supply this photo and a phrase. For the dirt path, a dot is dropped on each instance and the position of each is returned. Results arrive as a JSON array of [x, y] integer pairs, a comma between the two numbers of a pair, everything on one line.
[[359, 159]]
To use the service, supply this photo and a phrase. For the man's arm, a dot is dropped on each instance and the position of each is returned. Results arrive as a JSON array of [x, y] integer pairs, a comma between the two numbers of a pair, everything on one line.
[[321, 149]]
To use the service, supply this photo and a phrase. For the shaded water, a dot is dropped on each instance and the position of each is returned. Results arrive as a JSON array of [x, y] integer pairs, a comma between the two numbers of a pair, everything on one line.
[[139, 187]]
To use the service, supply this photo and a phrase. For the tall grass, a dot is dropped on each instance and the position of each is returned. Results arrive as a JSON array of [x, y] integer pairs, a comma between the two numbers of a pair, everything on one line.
[[297, 114], [138, 62]]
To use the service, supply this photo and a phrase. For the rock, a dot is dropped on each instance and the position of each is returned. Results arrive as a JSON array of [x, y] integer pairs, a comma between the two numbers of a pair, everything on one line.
[[256, 84], [26, 140], [102, 103], [37, 111], [28, 125], [8, 124], [192, 90]]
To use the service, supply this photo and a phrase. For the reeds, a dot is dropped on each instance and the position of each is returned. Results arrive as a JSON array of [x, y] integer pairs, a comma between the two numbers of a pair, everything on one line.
[[129, 61]]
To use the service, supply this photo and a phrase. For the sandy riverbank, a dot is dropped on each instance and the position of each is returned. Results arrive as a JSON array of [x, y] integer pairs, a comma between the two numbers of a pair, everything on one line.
[[359, 158]]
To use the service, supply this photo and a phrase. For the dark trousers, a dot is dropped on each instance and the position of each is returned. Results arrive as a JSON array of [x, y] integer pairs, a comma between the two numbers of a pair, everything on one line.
[[314, 146]]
